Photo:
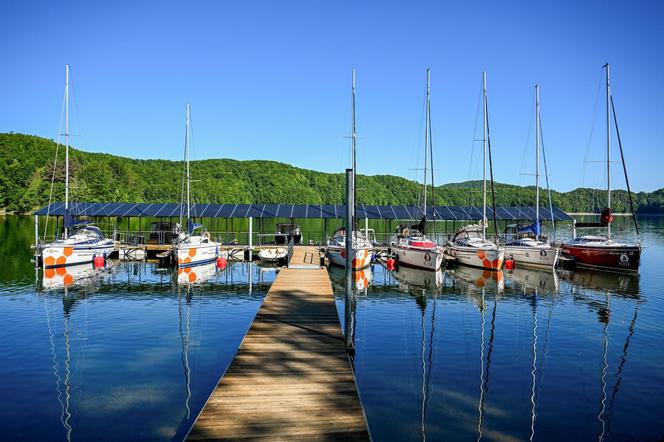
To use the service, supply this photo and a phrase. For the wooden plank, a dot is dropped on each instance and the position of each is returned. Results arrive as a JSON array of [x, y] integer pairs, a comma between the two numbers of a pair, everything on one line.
[[291, 378]]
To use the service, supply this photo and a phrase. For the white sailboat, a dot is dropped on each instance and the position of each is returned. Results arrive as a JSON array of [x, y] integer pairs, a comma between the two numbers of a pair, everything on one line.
[[192, 249], [469, 245], [336, 246], [410, 245], [526, 246], [81, 243]]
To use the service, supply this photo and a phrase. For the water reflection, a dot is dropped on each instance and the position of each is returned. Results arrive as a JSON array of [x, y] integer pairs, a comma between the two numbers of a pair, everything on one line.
[[77, 276], [109, 346], [361, 278], [473, 278], [409, 278], [534, 345], [197, 274]]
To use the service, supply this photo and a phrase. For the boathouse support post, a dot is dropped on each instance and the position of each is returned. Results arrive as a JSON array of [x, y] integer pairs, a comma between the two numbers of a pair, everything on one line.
[[251, 234], [366, 227], [349, 262]]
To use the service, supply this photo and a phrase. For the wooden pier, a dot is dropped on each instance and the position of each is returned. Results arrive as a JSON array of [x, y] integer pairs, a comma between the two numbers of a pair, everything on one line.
[[291, 378]]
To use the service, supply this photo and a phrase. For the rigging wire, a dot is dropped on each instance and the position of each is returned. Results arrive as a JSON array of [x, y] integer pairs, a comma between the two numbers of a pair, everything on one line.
[[472, 145], [55, 164], [594, 195], [622, 157], [546, 175]]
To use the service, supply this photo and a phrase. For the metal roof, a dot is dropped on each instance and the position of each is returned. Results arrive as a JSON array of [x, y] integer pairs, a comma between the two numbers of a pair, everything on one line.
[[401, 212]]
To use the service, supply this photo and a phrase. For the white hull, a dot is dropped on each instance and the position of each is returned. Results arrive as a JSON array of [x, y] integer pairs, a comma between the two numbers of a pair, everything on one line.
[[189, 255], [538, 257], [56, 255], [272, 255], [420, 258], [361, 258], [491, 259]]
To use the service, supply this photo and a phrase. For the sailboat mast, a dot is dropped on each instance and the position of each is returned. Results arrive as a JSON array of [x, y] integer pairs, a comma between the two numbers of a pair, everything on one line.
[[354, 145], [426, 145], [537, 159], [484, 141], [608, 147], [427, 132], [66, 150], [186, 158]]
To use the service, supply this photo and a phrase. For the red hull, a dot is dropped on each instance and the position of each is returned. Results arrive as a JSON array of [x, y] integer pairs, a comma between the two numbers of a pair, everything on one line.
[[619, 259]]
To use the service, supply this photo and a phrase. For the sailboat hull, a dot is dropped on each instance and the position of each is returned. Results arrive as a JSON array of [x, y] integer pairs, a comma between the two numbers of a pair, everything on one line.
[[615, 259], [361, 260], [427, 259], [536, 257], [68, 255], [490, 259], [191, 255]]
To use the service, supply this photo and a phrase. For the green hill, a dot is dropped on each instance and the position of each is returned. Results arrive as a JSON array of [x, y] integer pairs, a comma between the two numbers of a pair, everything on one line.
[[26, 169]]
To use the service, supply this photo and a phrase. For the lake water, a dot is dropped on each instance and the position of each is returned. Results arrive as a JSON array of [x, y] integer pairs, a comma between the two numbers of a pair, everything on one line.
[[128, 352]]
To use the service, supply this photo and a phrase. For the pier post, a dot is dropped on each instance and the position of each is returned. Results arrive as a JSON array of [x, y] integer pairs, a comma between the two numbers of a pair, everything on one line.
[[36, 230], [37, 250], [349, 262]]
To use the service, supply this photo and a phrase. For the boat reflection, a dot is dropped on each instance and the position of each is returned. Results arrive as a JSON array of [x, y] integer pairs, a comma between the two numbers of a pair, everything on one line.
[[480, 278], [76, 276], [527, 279], [197, 274], [361, 278], [409, 277], [616, 283]]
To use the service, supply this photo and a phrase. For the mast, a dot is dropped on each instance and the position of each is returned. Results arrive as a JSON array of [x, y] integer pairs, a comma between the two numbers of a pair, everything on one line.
[[608, 147], [66, 151], [427, 142], [426, 145], [433, 185], [354, 145], [186, 158], [537, 160], [484, 141]]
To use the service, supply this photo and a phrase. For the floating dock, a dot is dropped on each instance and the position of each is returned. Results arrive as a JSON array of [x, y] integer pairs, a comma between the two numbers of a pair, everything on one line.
[[291, 378]]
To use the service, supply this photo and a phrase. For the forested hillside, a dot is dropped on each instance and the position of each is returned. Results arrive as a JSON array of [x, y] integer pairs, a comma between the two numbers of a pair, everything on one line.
[[26, 169]]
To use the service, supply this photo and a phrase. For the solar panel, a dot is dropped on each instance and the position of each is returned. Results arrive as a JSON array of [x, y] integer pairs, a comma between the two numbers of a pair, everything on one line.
[[400, 212]]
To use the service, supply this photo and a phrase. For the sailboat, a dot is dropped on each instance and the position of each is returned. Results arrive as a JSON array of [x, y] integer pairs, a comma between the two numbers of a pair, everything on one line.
[[602, 252], [191, 249], [526, 247], [469, 244], [81, 242], [410, 245], [336, 246]]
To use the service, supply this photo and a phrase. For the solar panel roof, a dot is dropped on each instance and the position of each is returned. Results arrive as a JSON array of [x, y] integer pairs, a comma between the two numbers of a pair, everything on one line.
[[309, 211]]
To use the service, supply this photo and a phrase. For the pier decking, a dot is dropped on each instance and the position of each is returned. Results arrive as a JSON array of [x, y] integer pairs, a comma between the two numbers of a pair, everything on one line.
[[291, 378]]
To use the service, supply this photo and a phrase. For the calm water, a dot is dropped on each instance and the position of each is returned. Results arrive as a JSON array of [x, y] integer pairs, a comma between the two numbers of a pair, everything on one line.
[[468, 355], [128, 353], [125, 353]]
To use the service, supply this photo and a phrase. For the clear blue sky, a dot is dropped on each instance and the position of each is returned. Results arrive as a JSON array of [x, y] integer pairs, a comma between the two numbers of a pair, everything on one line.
[[271, 80]]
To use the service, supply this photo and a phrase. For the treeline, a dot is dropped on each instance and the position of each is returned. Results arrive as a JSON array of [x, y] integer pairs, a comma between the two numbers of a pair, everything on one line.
[[27, 165]]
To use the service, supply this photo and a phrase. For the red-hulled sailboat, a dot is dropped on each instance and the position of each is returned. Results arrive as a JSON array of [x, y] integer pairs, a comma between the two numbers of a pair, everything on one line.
[[602, 252]]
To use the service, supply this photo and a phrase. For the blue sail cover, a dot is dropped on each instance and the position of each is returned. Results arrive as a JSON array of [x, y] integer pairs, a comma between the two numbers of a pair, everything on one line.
[[191, 226], [535, 227]]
